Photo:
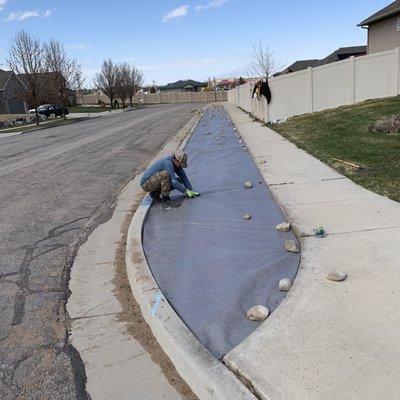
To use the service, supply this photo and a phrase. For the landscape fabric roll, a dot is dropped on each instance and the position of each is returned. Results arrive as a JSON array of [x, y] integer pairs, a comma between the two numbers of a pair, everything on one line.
[[211, 264]]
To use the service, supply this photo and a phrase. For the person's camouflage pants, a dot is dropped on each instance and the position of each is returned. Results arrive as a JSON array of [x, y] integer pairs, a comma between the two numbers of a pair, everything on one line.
[[159, 182]]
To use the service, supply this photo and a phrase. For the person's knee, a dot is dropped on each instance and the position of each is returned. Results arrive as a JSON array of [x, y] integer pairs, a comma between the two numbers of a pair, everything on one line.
[[164, 174]]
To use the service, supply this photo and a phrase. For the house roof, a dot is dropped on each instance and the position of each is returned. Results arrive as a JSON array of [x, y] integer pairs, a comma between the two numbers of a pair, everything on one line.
[[4, 77], [338, 54], [182, 84], [302, 64], [386, 12]]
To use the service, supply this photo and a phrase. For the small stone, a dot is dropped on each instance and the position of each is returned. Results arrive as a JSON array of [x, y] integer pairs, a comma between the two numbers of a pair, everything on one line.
[[208, 133], [291, 246], [240, 141], [247, 216], [257, 313], [284, 227], [244, 148], [285, 284], [336, 276], [218, 138], [248, 185]]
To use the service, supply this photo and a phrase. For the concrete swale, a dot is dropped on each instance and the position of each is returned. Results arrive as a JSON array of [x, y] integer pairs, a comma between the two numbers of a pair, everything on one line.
[[210, 264]]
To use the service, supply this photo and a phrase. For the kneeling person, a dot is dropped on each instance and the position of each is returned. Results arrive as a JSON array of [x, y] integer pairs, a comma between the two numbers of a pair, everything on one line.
[[165, 175]]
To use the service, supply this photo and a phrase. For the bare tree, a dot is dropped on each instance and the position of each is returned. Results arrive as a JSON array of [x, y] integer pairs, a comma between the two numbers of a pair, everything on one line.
[[62, 70], [263, 60], [79, 79], [135, 82], [26, 59], [123, 82], [106, 80]]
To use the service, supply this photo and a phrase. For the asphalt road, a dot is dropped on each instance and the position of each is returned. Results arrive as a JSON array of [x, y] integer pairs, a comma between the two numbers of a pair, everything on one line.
[[56, 186]]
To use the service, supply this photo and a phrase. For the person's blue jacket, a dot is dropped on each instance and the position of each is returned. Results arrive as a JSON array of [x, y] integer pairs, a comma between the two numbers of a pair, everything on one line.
[[166, 164]]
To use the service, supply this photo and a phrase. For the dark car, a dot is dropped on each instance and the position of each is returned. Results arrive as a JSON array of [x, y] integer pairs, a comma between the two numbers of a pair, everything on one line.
[[50, 109]]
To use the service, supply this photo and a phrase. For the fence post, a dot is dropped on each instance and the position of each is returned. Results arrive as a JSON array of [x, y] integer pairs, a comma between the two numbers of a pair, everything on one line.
[[175, 97], [159, 97], [310, 89], [205, 96], [190, 97], [397, 67], [352, 61], [266, 108]]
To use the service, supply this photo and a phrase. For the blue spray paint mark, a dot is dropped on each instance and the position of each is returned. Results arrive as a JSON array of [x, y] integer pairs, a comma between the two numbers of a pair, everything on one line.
[[156, 304]]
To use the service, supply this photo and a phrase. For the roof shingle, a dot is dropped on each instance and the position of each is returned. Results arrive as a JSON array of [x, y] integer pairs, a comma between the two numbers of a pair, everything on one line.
[[386, 12]]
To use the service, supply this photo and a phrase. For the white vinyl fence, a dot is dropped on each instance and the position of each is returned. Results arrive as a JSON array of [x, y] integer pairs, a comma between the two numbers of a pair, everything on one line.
[[314, 89], [156, 98]]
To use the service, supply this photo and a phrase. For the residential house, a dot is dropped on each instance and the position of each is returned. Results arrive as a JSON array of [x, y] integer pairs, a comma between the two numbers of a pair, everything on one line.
[[183, 86], [383, 28], [298, 66], [11, 94], [227, 83], [340, 54]]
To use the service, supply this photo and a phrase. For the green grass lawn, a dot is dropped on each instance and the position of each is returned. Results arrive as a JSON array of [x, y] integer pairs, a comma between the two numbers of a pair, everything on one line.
[[347, 133]]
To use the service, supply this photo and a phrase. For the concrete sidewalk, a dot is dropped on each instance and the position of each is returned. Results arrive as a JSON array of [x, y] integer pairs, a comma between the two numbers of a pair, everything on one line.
[[327, 340]]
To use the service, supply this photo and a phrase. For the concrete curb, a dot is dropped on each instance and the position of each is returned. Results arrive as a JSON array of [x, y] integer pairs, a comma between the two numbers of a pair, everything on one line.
[[207, 377], [115, 362]]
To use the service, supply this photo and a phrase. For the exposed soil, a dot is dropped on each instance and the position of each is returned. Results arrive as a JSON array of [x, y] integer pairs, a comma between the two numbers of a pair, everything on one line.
[[132, 316]]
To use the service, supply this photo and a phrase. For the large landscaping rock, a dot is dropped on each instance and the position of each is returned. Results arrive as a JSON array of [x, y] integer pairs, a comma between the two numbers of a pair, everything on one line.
[[291, 246], [257, 313], [336, 276], [284, 227]]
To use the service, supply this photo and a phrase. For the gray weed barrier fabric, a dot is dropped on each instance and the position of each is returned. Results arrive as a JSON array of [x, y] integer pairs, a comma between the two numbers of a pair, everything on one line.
[[211, 264]]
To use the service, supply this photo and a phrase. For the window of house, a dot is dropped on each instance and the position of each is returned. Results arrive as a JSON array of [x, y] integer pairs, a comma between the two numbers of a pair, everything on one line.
[[398, 25]]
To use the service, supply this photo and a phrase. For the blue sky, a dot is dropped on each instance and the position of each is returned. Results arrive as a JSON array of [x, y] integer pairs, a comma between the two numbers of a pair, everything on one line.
[[171, 40]]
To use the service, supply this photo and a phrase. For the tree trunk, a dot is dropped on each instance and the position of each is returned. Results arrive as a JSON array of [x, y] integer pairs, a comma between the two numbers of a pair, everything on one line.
[[130, 100], [37, 116]]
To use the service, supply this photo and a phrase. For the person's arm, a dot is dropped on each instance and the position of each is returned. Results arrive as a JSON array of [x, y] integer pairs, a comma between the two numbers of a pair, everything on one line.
[[185, 180], [174, 182]]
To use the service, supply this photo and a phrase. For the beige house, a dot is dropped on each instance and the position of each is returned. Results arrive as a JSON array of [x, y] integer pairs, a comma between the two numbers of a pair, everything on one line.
[[383, 28]]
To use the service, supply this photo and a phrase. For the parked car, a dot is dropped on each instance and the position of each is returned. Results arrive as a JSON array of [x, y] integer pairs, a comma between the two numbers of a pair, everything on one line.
[[50, 109]]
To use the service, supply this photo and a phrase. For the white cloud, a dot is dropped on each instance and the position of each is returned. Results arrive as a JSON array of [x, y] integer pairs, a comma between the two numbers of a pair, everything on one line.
[[2, 4], [176, 13], [22, 15], [79, 46], [47, 13], [211, 4]]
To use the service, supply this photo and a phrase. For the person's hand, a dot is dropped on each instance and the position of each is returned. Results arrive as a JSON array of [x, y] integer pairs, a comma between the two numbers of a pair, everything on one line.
[[189, 194]]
